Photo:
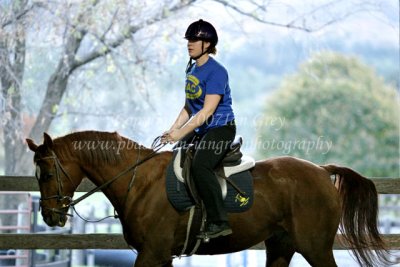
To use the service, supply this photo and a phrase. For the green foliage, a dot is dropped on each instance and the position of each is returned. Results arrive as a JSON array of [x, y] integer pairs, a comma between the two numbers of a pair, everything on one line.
[[337, 110]]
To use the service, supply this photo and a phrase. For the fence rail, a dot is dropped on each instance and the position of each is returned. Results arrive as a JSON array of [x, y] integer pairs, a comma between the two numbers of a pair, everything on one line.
[[116, 241], [111, 241], [29, 184]]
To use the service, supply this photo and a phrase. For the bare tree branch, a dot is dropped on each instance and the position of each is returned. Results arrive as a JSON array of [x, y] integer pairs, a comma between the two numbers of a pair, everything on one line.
[[20, 15], [57, 84], [300, 22], [126, 34], [344, 16], [107, 30], [58, 81], [253, 16]]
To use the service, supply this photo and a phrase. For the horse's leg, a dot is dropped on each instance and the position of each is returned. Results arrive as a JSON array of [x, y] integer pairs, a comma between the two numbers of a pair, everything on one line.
[[314, 238], [156, 252], [280, 249], [150, 259], [320, 258]]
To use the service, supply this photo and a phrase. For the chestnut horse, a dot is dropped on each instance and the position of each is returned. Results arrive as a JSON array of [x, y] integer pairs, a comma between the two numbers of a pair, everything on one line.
[[296, 206]]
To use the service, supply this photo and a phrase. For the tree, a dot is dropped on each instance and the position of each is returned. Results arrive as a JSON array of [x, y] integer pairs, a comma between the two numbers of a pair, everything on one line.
[[12, 64], [84, 34], [89, 31], [335, 109]]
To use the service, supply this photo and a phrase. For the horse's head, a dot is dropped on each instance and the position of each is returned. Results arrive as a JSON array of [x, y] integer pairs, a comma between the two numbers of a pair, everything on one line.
[[55, 183]]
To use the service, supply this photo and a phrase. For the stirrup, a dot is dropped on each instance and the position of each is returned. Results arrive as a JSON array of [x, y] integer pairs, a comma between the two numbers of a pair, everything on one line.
[[204, 237]]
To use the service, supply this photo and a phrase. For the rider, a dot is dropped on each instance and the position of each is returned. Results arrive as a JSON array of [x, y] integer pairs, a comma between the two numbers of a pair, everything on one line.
[[207, 116]]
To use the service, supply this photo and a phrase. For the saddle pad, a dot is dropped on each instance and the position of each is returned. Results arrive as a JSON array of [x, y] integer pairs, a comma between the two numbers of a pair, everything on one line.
[[245, 164], [234, 203]]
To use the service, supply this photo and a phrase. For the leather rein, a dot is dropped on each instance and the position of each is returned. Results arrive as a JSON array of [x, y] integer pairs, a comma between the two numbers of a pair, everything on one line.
[[156, 146]]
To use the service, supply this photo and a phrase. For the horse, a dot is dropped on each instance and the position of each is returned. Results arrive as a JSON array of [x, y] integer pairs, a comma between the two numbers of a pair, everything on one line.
[[296, 208]]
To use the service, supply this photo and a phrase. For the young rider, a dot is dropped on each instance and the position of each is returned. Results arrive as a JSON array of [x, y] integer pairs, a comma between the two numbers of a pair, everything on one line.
[[208, 116]]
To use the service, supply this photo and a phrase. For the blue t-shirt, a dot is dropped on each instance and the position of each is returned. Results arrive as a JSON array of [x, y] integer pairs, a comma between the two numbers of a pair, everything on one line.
[[209, 78]]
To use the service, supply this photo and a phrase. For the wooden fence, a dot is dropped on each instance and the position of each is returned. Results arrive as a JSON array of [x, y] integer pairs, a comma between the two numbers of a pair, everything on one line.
[[116, 241]]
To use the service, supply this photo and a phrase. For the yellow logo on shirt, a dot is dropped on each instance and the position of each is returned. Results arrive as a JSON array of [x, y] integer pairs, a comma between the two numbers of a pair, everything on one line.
[[193, 90]]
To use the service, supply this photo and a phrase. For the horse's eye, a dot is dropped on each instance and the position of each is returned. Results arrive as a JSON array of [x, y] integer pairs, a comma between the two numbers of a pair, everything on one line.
[[42, 175]]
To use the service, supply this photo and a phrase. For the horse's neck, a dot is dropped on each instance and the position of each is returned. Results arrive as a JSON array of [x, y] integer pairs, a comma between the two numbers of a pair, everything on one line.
[[118, 190]]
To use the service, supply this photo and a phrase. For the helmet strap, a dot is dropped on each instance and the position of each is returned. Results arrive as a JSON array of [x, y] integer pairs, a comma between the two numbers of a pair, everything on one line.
[[190, 64]]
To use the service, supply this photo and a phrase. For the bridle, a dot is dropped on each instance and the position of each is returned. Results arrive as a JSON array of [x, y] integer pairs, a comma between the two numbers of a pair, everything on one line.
[[156, 146], [59, 197]]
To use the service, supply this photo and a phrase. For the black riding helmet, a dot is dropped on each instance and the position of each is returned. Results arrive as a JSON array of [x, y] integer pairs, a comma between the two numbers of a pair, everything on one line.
[[204, 31]]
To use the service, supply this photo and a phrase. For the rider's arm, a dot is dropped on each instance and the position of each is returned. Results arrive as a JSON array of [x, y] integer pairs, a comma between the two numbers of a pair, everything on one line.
[[182, 118], [211, 102]]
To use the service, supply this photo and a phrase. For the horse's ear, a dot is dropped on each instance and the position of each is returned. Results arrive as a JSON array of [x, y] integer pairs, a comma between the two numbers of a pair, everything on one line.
[[48, 142], [31, 144]]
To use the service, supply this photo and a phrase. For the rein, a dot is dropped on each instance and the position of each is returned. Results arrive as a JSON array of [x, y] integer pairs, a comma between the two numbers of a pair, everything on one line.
[[156, 146]]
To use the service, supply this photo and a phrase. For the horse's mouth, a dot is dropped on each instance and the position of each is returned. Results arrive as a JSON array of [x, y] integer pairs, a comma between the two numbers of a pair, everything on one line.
[[56, 220]]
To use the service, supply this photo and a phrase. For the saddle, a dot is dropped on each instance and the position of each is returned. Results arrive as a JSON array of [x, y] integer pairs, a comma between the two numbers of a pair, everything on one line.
[[233, 162], [233, 176]]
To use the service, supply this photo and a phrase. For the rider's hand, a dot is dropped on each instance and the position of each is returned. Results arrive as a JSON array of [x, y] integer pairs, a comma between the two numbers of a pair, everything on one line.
[[174, 135], [171, 136], [165, 137]]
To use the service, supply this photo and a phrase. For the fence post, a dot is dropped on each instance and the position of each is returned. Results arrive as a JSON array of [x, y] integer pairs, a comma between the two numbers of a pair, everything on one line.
[[23, 219]]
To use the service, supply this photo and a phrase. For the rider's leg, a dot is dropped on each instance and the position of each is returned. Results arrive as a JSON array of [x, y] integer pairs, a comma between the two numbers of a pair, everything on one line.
[[210, 151]]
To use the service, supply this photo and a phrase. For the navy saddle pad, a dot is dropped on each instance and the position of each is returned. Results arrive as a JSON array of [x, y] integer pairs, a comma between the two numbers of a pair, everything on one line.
[[234, 202]]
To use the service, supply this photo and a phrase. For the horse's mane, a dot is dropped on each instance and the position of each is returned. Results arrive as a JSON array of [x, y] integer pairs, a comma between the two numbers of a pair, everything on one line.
[[94, 147]]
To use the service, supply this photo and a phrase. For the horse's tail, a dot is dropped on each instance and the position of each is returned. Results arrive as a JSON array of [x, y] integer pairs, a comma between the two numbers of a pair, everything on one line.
[[360, 216]]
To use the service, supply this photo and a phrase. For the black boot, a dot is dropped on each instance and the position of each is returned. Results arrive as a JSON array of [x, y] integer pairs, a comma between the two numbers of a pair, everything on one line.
[[214, 230]]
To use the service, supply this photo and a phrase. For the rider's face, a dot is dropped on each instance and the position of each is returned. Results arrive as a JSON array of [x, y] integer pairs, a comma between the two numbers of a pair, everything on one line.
[[195, 45]]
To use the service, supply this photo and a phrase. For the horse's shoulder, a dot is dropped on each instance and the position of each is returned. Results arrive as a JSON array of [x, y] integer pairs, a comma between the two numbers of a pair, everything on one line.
[[161, 160], [166, 155]]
